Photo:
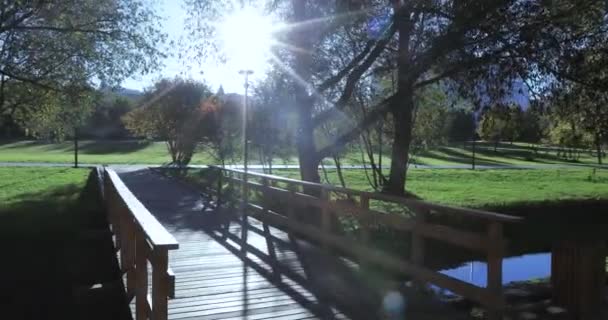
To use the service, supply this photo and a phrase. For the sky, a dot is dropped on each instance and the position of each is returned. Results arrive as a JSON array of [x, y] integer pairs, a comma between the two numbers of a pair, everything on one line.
[[244, 29], [214, 74]]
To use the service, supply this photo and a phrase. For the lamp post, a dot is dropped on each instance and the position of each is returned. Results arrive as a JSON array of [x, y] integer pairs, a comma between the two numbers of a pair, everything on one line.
[[246, 74], [244, 187]]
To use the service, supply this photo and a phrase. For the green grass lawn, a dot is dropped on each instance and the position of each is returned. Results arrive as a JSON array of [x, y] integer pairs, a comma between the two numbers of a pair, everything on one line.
[[37, 223], [44, 217], [35, 202], [148, 152], [491, 188]]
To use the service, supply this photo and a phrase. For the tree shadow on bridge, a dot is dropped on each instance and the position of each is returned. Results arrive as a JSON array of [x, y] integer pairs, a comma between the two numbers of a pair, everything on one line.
[[326, 286], [323, 282]]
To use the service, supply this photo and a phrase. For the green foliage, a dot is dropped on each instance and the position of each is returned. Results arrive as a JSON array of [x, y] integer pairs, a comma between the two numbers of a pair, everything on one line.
[[500, 122], [48, 45], [430, 123], [106, 118], [173, 112], [271, 126], [460, 125], [225, 135], [580, 118], [55, 115]]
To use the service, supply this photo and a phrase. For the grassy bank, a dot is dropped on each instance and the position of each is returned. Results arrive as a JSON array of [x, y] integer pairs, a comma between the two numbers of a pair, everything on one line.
[[150, 152], [490, 188], [36, 204]]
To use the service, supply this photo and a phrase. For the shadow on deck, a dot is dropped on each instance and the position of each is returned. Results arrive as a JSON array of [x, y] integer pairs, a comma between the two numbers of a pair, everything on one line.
[[229, 267]]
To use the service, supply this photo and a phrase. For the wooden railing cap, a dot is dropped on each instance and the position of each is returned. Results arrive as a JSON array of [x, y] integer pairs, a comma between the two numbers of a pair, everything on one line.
[[154, 231]]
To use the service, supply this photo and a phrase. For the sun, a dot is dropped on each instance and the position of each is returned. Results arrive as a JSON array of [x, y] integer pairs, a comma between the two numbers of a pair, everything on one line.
[[247, 37]]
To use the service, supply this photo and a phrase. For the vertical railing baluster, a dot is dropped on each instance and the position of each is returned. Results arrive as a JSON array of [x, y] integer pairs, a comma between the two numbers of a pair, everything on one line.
[[160, 283], [129, 249], [325, 215], [291, 213], [141, 278], [220, 174], [364, 225], [495, 255]]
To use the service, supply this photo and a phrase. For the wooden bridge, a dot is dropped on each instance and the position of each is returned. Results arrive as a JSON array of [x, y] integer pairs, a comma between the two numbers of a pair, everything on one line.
[[288, 249]]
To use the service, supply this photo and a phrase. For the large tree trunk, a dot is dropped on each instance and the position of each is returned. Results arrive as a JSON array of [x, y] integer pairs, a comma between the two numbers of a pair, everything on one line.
[[307, 153], [402, 119], [402, 107]]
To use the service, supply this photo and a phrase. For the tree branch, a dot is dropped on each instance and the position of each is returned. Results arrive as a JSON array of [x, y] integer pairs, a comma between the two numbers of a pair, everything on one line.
[[32, 81], [374, 115], [354, 77], [336, 78]]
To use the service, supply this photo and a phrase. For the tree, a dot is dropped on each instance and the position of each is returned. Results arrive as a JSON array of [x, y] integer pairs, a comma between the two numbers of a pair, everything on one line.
[[343, 44], [106, 117], [173, 111], [57, 115], [581, 111], [46, 45], [500, 122], [225, 130], [271, 122], [430, 118], [531, 128]]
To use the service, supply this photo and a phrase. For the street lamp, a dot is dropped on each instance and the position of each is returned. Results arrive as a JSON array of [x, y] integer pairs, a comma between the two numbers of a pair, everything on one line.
[[245, 74], [244, 186]]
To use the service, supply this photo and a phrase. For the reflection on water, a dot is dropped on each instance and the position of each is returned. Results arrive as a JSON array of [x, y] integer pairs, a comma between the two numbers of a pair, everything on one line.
[[526, 267]]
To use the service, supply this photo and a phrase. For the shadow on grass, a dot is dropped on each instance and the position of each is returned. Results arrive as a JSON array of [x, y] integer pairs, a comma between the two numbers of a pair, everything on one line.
[[113, 147], [45, 255], [523, 155], [18, 144], [104, 147], [460, 157], [34, 234], [94, 147]]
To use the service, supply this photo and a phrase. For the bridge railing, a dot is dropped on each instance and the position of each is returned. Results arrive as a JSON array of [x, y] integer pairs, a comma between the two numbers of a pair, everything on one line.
[[332, 202], [142, 241]]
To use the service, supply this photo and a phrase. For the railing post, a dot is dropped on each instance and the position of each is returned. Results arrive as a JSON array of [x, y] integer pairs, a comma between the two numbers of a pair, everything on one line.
[[129, 252], [494, 256], [160, 283], [325, 218], [417, 254], [269, 242], [291, 213], [418, 243], [141, 278], [220, 173], [364, 224]]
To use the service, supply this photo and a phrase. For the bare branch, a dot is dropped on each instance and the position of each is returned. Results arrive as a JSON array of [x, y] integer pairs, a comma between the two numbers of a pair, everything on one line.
[[354, 77], [374, 115]]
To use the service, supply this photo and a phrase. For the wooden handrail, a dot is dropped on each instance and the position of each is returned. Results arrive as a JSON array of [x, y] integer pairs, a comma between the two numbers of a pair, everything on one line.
[[491, 242], [476, 213], [141, 239], [155, 233]]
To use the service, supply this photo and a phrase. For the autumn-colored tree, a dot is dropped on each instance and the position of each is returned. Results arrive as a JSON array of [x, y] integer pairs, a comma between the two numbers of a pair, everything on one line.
[[173, 111]]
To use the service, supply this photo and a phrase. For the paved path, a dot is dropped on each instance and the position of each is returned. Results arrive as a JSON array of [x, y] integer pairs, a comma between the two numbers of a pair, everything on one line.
[[233, 268]]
